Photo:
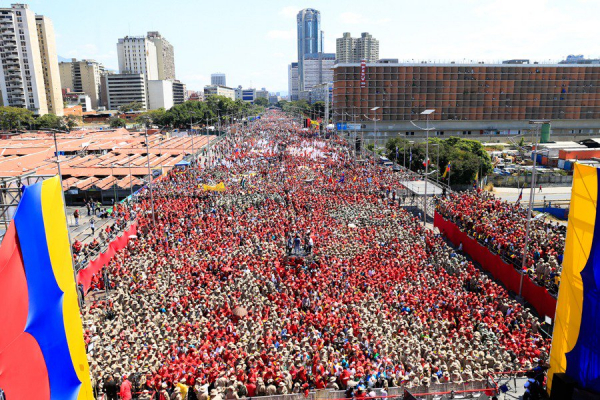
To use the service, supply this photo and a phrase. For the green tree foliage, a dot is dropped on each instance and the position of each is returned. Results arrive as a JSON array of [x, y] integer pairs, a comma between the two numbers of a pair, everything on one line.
[[116, 122], [14, 117], [71, 121], [49, 121], [133, 106], [261, 101], [468, 157]]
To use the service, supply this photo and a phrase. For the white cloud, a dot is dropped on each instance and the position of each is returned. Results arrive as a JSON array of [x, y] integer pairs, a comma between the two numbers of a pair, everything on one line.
[[280, 34], [352, 18]]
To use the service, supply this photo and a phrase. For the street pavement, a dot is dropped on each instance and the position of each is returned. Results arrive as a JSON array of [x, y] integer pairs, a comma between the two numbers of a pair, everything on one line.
[[560, 194]]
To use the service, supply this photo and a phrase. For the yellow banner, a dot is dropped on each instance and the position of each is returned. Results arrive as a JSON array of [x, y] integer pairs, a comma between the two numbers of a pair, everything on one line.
[[215, 188]]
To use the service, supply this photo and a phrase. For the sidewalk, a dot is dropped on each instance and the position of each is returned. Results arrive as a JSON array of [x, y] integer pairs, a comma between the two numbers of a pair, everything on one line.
[[82, 232]]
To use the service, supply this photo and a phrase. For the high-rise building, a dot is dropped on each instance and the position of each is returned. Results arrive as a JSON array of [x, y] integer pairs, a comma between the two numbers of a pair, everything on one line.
[[45, 34], [353, 50], [29, 76], [124, 89], [310, 38], [137, 55], [293, 81], [82, 76], [180, 93], [160, 94], [218, 79], [165, 56], [262, 93], [318, 69]]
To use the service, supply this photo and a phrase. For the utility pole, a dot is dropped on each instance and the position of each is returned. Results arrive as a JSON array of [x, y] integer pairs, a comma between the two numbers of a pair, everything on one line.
[[150, 179]]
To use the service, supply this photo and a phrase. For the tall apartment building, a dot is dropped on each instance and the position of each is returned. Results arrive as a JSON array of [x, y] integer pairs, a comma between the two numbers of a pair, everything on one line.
[[29, 76], [83, 76], [293, 81], [310, 38], [180, 93], [353, 50], [318, 69], [165, 56], [218, 79], [123, 89], [138, 55], [47, 43], [470, 98]]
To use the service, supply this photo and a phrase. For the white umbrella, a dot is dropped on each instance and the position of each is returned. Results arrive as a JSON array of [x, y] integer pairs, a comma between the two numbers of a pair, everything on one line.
[[351, 226]]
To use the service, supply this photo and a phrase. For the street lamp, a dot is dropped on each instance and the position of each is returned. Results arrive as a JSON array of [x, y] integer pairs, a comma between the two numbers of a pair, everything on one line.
[[538, 123], [427, 113], [150, 179], [374, 109]]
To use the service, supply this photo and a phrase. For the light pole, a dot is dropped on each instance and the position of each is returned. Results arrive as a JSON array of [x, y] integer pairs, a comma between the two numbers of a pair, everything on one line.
[[426, 113], [374, 109], [535, 143], [150, 179]]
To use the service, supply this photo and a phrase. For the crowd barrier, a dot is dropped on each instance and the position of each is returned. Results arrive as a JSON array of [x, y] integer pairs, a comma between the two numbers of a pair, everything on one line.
[[534, 294], [84, 276]]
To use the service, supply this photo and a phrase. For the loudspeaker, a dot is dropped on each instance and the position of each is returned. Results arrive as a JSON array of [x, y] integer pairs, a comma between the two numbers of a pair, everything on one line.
[[562, 387]]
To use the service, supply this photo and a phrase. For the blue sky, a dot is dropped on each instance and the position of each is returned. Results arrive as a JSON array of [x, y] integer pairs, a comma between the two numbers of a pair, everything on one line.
[[253, 41]]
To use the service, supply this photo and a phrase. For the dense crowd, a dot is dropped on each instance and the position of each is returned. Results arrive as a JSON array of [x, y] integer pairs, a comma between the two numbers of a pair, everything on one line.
[[501, 226], [215, 299]]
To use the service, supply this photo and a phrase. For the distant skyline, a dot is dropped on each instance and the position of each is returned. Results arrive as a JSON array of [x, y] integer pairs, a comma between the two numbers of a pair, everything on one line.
[[253, 43]]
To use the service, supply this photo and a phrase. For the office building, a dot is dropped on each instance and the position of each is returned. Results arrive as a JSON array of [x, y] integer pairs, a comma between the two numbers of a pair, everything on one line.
[[219, 90], [47, 44], [29, 76], [293, 81], [165, 56], [82, 76], [353, 50], [218, 79], [137, 55], [318, 68], [474, 99], [123, 89], [160, 94], [274, 98], [248, 95], [579, 59], [179, 92], [262, 93], [320, 93], [310, 38]]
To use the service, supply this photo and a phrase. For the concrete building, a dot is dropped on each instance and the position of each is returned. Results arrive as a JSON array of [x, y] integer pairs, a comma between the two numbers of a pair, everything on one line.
[[318, 69], [47, 44], [310, 38], [262, 93], [353, 50], [179, 92], [219, 90], [83, 76], [293, 81], [22, 82], [77, 99], [469, 99], [123, 89], [579, 59], [218, 79], [165, 56], [160, 94], [320, 92], [274, 98], [248, 95], [137, 55]]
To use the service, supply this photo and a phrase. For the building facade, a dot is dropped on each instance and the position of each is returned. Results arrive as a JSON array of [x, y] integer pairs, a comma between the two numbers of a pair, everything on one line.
[[22, 62], [318, 69], [310, 37], [160, 94], [262, 93], [180, 92], [293, 81], [353, 50], [49, 58], [123, 89], [137, 55], [218, 79], [83, 76], [248, 95], [219, 90], [469, 98], [165, 56]]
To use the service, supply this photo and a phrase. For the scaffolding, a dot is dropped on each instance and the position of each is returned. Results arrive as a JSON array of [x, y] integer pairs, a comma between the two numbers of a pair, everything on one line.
[[11, 190]]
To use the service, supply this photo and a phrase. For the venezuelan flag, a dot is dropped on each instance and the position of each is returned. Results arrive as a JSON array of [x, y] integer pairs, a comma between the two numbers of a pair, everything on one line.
[[42, 353], [575, 343]]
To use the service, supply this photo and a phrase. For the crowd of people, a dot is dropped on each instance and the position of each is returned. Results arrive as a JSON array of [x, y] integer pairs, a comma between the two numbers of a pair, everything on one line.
[[501, 226], [305, 273]]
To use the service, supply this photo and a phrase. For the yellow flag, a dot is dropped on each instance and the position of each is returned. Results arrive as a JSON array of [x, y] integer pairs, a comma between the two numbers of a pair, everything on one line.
[[215, 188]]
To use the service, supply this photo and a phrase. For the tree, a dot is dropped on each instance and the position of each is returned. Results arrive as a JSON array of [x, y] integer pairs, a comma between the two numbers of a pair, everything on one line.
[[261, 101], [49, 121], [14, 117], [133, 106], [116, 122], [71, 121], [152, 117]]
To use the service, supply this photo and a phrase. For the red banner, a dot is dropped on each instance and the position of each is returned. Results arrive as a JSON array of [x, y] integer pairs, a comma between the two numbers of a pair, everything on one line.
[[363, 73], [506, 273], [84, 276]]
